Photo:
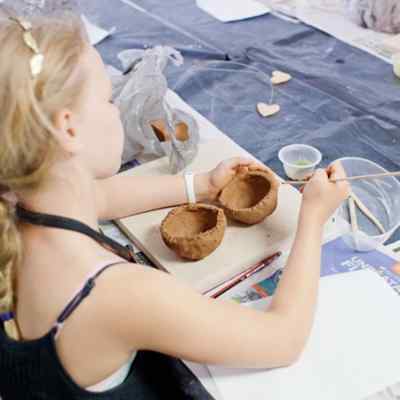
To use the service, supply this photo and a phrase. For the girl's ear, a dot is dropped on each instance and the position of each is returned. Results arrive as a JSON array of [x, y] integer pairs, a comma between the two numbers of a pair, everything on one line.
[[66, 131]]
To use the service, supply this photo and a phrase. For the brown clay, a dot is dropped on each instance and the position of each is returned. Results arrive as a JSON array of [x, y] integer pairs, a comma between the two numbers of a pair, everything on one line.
[[194, 231], [181, 131], [251, 196]]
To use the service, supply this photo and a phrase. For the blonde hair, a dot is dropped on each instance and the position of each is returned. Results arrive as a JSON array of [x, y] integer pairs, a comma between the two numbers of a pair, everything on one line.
[[27, 109]]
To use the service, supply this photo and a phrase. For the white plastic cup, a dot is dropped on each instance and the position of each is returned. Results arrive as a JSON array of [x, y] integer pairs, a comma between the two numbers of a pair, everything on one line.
[[299, 160], [380, 196]]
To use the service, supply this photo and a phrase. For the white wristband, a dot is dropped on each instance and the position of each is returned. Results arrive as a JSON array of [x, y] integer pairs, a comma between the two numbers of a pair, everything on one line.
[[189, 185]]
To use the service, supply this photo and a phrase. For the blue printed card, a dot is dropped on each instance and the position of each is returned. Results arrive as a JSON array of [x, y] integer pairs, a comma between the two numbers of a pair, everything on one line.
[[337, 258]]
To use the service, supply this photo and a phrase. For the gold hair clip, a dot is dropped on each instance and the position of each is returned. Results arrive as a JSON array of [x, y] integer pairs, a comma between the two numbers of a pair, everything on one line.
[[36, 62], [11, 328]]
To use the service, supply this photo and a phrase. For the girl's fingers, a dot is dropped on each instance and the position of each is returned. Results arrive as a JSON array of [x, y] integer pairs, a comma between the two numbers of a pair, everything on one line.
[[320, 175], [337, 171], [256, 165], [235, 162]]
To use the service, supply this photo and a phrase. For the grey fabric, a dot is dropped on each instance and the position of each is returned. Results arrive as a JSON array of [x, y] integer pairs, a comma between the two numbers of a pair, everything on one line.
[[341, 99]]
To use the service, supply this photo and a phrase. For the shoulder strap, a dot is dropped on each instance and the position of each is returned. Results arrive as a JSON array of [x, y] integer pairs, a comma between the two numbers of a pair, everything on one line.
[[57, 221], [60, 222], [80, 295]]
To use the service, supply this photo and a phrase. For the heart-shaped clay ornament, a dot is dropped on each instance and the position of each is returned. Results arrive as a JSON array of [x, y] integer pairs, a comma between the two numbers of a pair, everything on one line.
[[267, 110], [279, 77]]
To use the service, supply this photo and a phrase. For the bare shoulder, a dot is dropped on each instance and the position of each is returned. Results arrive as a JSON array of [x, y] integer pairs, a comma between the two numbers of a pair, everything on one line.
[[133, 298], [134, 285], [129, 284], [128, 276]]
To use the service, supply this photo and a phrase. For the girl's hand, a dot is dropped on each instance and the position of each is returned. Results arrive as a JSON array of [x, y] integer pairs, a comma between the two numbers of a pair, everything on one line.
[[321, 197], [225, 171]]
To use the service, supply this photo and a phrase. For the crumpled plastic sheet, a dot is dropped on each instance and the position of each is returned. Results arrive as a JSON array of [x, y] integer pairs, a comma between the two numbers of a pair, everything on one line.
[[140, 95], [28, 8]]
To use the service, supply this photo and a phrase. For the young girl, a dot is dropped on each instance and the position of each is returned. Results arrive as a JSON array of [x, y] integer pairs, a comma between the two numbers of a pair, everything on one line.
[[60, 145]]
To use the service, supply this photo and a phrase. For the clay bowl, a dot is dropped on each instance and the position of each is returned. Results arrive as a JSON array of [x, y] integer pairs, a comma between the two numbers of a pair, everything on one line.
[[194, 231], [251, 196]]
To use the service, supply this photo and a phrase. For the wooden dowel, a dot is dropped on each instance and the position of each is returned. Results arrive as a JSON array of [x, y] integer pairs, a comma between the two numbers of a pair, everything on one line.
[[353, 215], [363, 208], [350, 178]]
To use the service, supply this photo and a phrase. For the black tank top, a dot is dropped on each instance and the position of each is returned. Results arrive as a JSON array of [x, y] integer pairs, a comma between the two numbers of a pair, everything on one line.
[[32, 370]]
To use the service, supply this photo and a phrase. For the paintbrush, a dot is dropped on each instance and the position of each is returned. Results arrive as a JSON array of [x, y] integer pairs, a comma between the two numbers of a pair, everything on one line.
[[349, 178]]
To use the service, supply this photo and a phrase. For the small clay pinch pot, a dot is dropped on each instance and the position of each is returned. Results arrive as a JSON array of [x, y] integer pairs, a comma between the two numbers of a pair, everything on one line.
[[251, 196], [194, 231]]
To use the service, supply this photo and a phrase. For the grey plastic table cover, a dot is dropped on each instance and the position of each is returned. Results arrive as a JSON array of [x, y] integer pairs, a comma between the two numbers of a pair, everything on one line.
[[341, 100]]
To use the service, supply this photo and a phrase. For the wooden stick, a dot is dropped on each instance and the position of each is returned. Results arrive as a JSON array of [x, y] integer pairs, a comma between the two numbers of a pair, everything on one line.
[[353, 220], [353, 215], [363, 208], [350, 178]]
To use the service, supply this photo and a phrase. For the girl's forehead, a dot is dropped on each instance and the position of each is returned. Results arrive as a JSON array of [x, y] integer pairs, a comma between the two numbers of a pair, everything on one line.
[[94, 70]]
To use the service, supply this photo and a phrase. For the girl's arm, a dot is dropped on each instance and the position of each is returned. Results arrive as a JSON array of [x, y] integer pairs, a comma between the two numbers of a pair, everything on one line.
[[154, 311], [120, 196]]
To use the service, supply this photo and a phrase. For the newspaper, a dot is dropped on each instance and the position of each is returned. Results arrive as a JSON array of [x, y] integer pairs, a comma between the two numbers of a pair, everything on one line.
[[332, 17]]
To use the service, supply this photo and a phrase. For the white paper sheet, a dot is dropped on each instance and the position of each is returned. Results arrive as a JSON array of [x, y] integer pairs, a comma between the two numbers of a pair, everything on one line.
[[232, 10], [353, 350], [96, 34]]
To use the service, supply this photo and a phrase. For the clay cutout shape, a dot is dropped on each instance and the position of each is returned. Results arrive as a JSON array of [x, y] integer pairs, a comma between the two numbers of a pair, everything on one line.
[[181, 131], [194, 231], [251, 196], [279, 77], [268, 110]]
